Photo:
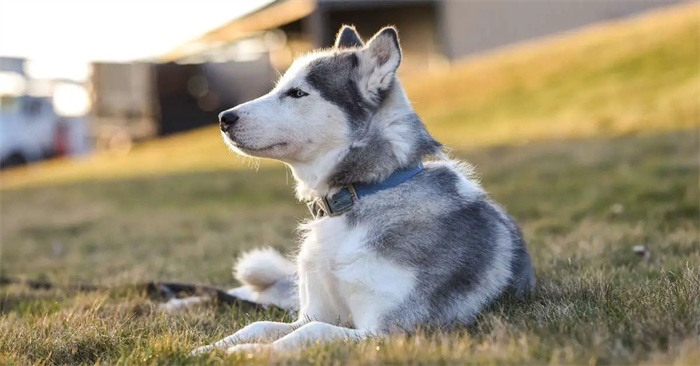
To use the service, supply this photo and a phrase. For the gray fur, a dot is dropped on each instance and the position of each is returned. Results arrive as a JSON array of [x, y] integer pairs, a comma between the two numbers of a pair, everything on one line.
[[335, 79], [523, 280], [426, 224], [371, 158]]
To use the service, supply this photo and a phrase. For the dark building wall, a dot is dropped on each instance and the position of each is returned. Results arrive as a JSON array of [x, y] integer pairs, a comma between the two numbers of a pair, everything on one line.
[[469, 27], [415, 21], [192, 95]]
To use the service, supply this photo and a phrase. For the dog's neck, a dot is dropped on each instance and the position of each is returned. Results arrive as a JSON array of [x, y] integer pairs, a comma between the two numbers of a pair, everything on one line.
[[311, 177], [395, 139]]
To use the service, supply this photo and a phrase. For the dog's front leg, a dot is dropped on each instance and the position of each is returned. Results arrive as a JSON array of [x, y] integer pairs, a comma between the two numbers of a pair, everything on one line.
[[310, 333], [263, 331]]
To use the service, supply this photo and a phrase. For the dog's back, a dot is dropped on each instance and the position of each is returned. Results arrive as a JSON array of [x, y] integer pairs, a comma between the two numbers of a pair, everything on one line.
[[464, 249]]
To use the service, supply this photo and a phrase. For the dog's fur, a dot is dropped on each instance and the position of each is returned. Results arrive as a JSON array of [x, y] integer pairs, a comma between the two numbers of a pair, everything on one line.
[[432, 251]]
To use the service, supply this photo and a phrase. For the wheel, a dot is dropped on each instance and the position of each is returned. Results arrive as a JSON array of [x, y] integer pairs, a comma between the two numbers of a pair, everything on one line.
[[15, 159]]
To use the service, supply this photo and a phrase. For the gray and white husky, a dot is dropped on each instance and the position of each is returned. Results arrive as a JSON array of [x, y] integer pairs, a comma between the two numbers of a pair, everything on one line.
[[397, 241]]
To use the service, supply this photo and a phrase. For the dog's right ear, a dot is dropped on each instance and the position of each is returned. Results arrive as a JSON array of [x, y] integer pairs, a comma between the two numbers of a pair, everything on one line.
[[348, 38], [379, 61]]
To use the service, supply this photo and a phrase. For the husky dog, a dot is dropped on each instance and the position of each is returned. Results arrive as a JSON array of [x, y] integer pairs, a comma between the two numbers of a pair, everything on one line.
[[396, 242]]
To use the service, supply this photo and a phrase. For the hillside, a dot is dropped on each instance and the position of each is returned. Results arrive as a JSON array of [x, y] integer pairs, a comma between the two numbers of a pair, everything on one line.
[[636, 75]]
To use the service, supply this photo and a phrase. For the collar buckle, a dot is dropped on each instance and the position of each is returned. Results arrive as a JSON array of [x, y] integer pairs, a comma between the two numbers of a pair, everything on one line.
[[344, 200], [338, 204]]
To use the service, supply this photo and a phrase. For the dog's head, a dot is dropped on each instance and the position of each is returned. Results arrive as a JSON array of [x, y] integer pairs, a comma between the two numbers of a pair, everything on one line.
[[329, 110]]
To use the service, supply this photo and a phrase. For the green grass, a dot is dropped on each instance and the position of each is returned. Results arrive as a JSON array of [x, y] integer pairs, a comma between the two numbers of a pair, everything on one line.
[[583, 206], [584, 191]]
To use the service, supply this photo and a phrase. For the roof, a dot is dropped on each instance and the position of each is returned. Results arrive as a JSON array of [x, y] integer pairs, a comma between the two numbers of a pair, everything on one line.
[[275, 14]]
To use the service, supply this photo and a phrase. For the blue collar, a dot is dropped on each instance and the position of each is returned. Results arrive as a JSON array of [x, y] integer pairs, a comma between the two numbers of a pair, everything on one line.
[[343, 200]]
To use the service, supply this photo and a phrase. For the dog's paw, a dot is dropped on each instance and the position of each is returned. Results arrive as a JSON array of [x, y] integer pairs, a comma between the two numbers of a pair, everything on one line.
[[174, 306], [249, 348], [202, 350]]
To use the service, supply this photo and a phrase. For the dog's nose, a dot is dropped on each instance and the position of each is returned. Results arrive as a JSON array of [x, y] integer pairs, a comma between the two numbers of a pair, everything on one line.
[[227, 120]]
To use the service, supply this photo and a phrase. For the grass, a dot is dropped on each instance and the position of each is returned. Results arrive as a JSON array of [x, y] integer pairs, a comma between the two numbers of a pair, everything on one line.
[[585, 192]]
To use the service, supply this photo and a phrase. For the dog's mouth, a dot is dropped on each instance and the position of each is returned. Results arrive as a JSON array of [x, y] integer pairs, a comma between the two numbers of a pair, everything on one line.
[[249, 148]]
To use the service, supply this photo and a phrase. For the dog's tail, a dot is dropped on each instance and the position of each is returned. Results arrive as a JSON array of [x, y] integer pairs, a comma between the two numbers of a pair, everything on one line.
[[262, 268]]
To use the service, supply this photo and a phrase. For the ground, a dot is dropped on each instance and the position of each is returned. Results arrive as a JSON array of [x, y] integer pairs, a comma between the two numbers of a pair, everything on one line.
[[589, 140]]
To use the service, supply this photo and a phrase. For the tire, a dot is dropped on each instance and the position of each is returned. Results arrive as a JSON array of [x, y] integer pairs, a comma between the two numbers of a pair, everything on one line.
[[15, 159]]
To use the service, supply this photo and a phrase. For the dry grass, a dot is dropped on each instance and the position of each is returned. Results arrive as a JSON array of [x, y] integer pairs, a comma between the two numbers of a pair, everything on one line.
[[583, 203], [612, 79]]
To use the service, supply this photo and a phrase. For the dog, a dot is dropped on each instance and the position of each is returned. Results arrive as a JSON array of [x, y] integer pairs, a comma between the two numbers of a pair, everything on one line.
[[401, 237]]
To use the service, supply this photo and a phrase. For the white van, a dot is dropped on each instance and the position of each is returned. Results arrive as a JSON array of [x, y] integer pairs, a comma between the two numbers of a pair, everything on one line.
[[30, 128]]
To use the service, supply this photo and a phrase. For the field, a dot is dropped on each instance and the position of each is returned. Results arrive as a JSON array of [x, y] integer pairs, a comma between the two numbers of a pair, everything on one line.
[[590, 140]]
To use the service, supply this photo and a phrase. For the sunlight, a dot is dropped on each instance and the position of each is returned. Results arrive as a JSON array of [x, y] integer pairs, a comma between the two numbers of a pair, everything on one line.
[[107, 30]]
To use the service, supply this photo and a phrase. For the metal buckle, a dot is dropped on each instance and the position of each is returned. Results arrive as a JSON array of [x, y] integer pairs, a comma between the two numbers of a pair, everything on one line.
[[341, 202], [338, 204], [317, 209]]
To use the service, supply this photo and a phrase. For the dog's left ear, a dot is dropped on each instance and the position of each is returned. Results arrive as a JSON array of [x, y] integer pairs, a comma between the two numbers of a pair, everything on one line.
[[381, 58], [348, 38]]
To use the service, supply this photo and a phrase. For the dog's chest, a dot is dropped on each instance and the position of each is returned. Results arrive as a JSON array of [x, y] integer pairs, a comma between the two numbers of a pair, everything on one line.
[[345, 273], [332, 251]]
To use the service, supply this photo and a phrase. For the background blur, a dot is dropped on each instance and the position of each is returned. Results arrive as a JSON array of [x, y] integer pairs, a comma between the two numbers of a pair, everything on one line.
[[580, 116], [78, 77]]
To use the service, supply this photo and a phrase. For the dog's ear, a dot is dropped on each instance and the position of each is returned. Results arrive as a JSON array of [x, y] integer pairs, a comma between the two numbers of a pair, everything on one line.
[[381, 58], [348, 38]]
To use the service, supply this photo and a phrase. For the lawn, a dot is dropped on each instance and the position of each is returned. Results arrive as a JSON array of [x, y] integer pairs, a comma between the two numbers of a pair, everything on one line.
[[590, 140]]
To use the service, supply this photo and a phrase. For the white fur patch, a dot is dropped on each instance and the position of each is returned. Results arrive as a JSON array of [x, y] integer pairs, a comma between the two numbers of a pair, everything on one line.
[[344, 280], [297, 131], [174, 306], [261, 268]]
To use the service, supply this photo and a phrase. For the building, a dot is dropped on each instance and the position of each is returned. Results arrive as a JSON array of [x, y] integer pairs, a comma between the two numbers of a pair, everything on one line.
[[433, 32], [239, 61]]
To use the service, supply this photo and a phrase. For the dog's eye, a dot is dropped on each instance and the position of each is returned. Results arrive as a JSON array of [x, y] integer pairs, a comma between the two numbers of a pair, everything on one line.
[[296, 93]]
